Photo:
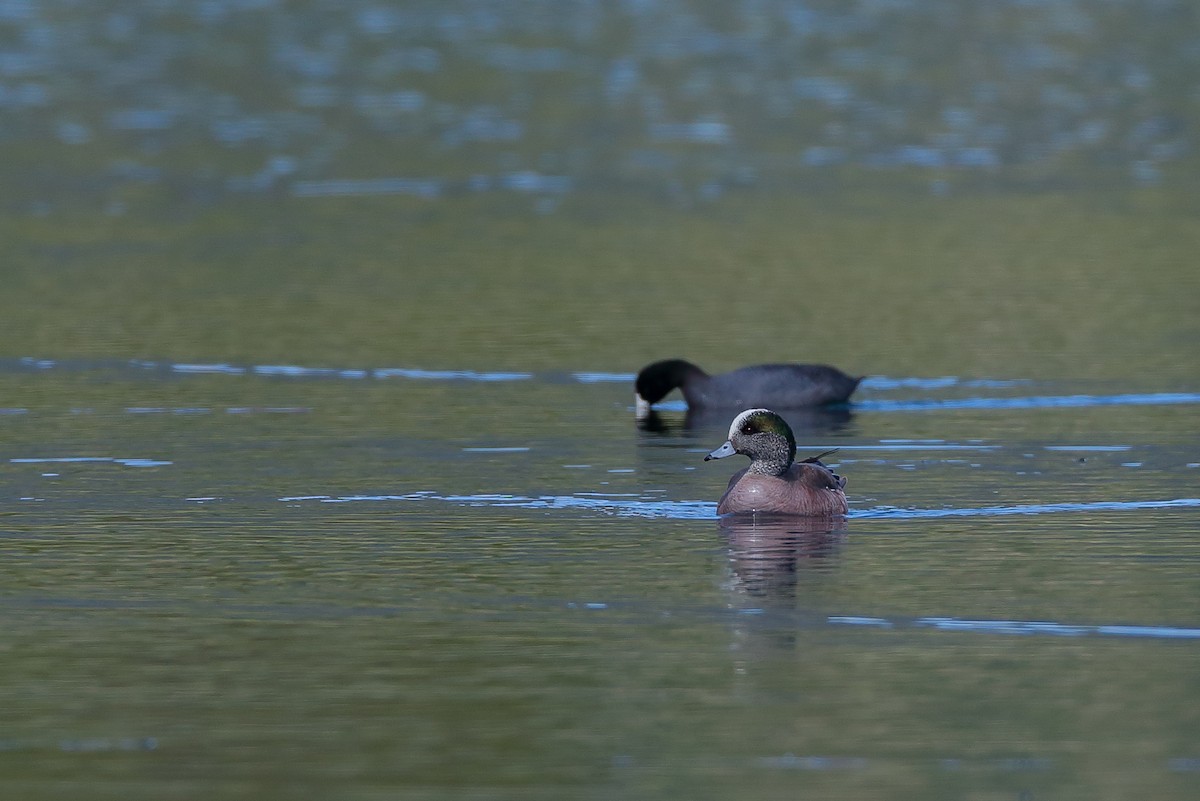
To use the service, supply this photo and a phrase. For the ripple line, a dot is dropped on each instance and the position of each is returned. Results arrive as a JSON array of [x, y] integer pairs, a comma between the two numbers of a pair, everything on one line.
[[127, 462], [871, 383], [689, 510], [1021, 627], [1035, 402], [706, 510], [1029, 509]]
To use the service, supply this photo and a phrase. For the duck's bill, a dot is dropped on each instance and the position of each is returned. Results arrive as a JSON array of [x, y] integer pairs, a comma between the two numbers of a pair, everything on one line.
[[721, 452], [641, 407]]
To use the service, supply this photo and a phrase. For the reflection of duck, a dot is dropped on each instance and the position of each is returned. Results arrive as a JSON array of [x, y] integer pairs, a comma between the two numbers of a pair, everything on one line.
[[780, 386], [774, 482], [765, 551]]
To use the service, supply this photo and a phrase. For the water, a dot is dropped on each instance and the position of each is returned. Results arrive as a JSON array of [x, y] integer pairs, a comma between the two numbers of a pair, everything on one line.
[[373, 581], [535, 102], [319, 473]]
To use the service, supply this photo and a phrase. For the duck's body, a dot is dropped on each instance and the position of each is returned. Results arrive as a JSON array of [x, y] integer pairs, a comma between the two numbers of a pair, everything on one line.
[[809, 490], [774, 482], [780, 386]]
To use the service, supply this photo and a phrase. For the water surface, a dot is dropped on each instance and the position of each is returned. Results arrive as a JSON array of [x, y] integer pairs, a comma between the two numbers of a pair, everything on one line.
[[444, 585], [319, 476]]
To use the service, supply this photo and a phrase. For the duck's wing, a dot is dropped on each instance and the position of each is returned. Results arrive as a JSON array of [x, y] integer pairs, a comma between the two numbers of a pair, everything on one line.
[[814, 474], [817, 459]]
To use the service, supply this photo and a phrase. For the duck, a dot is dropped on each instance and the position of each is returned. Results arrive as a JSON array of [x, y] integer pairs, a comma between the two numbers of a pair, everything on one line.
[[775, 483], [782, 386]]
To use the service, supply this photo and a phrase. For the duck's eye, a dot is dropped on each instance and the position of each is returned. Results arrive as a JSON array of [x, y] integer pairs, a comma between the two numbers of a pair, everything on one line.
[[747, 429]]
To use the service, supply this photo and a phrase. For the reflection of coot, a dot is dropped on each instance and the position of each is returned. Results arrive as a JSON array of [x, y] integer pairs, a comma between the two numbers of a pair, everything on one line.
[[766, 551], [820, 420]]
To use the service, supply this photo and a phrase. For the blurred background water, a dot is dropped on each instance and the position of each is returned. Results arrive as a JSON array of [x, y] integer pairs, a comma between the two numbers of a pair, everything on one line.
[[318, 470], [682, 101]]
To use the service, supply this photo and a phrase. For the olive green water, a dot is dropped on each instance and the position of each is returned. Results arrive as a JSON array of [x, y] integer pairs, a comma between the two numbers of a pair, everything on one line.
[[212, 624], [319, 477], [1011, 286]]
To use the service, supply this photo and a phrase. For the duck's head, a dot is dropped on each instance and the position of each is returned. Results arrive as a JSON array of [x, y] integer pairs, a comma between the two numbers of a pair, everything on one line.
[[656, 380], [765, 437]]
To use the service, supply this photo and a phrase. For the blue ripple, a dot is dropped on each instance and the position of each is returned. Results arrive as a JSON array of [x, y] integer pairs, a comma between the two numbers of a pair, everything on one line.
[[1035, 402], [1027, 509], [706, 510], [604, 378], [220, 369], [443, 375], [127, 462], [1021, 627], [621, 507]]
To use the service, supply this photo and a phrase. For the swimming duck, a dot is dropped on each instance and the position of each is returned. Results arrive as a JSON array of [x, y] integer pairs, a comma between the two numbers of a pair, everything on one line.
[[775, 481], [782, 386]]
